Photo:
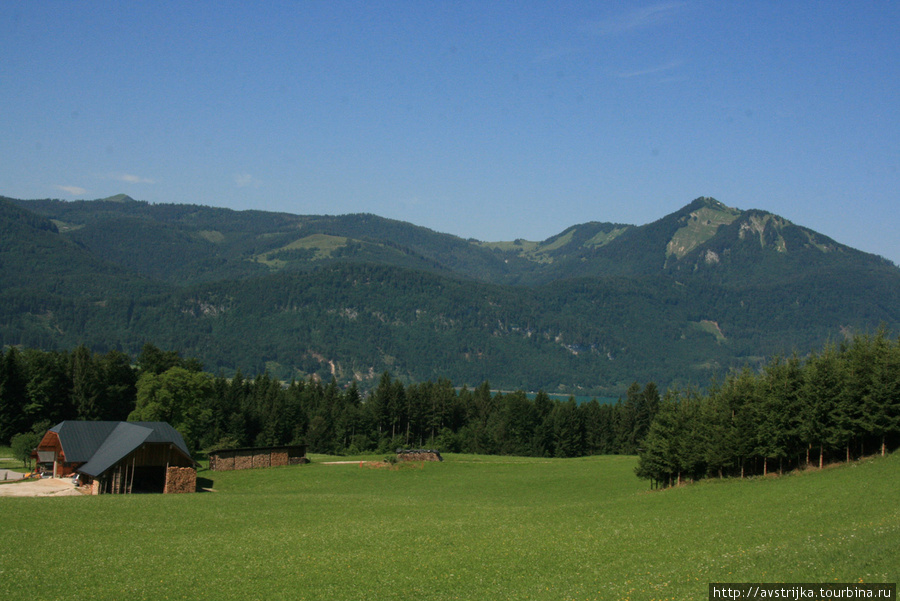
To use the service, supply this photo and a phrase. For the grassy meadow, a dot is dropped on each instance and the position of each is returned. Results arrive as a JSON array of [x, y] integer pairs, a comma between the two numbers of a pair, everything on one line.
[[469, 528], [7, 462]]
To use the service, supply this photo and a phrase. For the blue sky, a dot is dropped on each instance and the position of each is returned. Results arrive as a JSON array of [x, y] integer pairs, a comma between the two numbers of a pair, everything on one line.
[[492, 120]]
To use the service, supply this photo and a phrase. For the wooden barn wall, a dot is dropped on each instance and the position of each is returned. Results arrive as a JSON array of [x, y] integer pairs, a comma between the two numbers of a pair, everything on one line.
[[51, 442], [119, 478], [158, 455]]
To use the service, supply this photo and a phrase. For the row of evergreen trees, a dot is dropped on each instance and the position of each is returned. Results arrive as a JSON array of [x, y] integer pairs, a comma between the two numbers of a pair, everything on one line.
[[39, 389], [836, 405]]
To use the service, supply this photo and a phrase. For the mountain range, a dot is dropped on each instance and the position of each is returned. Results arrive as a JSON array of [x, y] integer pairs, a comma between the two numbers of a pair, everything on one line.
[[678, 301]]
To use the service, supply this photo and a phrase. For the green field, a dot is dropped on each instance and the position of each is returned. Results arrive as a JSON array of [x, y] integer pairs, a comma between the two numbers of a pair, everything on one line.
[[471, 527], [7, 462]]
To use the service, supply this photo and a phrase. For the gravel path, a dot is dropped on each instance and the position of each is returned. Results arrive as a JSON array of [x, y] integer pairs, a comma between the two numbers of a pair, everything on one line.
[[10, 475], [45, 487]]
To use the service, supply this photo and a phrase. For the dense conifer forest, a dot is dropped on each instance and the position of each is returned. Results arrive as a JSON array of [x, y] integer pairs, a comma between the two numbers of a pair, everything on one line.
[[689, 297], [359, 334], [836, 404], [39, 389]]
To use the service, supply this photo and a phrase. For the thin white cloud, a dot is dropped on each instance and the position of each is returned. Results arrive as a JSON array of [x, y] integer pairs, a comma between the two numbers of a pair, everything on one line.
[[131, 179], [73, 190], [244, 180], [640, 18]]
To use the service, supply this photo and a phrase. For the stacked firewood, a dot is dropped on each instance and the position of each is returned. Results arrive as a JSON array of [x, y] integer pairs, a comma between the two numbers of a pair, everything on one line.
[[181, 479], [418, 455]]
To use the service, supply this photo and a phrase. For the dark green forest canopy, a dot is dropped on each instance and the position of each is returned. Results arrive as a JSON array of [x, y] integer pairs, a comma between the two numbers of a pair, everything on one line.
[[679, 301], [838, 404], [41, 388]]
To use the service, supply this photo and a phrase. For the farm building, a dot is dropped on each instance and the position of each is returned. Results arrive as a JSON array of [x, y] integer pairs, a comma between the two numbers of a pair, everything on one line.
[[120, 457], [243, 459]]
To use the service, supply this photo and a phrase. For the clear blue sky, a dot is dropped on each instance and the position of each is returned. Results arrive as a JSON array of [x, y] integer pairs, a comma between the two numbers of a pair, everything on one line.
[[492, 120]]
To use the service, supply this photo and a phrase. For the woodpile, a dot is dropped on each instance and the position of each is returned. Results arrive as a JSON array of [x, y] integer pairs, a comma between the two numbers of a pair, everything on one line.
[[180, 479], [248, 461], [251, 458], [418, 455]]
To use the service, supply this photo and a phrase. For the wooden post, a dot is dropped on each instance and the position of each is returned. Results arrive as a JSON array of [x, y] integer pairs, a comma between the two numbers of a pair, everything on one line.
[[131, 484], [166, 475]]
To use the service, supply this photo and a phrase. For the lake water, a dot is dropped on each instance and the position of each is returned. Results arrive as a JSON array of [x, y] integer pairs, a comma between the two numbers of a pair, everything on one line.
[[603, 400]]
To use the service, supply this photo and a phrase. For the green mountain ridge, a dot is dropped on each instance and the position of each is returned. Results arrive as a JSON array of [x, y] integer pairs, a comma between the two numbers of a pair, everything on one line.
[[589, 310]]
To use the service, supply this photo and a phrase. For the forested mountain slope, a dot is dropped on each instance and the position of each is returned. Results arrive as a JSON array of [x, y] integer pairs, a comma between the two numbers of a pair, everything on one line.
[[589, 310], [187, 244]]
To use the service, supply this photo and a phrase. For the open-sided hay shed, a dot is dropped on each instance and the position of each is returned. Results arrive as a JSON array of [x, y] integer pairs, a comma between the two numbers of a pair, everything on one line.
[[120, 457], [254, 457]]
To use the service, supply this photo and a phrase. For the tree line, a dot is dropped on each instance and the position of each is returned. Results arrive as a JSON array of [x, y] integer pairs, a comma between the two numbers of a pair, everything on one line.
[[836, 405], [41, 388]]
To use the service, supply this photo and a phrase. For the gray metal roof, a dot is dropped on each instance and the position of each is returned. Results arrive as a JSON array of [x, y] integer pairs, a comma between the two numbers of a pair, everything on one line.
[[80, 440], [122, 440], [163, 432], [102, 444]]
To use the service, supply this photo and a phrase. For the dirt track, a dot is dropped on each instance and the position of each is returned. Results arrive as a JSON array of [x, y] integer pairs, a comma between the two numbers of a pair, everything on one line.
[[46, 487], [10, 475]]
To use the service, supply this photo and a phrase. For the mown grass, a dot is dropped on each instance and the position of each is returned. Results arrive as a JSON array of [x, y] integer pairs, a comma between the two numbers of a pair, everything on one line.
[[468, 528], [7, 462]]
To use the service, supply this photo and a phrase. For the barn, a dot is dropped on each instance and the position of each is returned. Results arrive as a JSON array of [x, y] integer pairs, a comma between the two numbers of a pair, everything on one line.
[[120, 457]]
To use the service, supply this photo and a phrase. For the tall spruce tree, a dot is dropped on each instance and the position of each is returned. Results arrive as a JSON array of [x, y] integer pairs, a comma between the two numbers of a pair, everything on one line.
[[823, 385], [881, 404]]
